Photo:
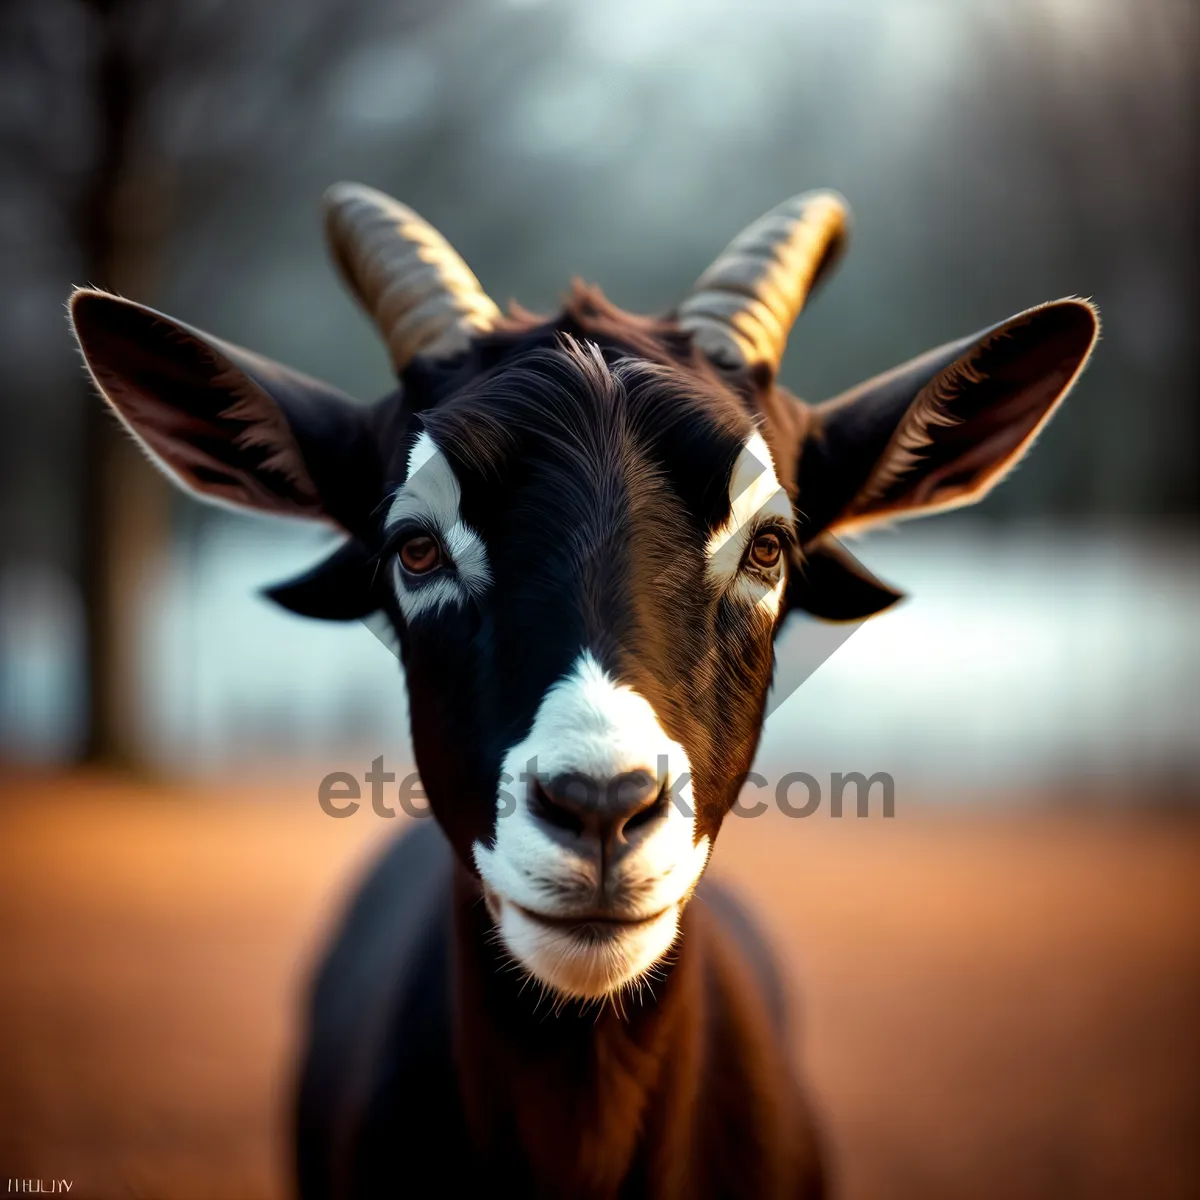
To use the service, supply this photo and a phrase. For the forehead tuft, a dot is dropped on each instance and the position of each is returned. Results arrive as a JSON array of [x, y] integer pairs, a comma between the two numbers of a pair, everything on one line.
[[580, 400]]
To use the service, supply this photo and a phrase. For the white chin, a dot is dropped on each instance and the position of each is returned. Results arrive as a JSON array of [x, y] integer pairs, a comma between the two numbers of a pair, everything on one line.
[[574, 962]]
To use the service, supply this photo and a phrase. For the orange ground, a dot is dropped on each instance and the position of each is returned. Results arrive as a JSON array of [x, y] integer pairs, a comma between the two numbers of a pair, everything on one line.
[[995, 1005]]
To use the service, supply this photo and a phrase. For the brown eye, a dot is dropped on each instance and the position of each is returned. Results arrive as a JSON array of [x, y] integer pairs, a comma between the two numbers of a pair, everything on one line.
[[420, 554], [765, 551]]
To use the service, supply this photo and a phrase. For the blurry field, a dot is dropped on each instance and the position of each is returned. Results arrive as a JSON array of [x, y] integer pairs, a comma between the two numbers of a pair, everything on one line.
[[999, 1004]]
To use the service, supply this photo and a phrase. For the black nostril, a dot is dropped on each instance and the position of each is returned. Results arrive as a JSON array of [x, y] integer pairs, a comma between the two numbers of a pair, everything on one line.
[[549, 808], [605, 810], [652, 811]]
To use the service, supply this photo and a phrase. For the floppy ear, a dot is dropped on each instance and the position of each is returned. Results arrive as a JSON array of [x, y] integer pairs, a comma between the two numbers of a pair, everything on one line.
[[225, 423], [342, 587], [829, 582], [942, 430], [235, 428], [937, 433]]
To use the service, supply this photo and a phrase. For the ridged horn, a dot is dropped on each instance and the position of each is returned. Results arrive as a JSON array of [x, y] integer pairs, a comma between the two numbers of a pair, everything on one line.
[[411, 281], [742, 308]]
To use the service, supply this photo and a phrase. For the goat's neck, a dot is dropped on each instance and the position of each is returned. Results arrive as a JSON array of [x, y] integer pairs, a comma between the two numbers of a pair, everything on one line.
[[573, 1096]]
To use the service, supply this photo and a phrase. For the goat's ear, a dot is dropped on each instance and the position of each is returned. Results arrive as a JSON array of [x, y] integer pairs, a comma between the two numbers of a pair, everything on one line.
[[225, 423], [343, 587], [942, 430], [829, 582]]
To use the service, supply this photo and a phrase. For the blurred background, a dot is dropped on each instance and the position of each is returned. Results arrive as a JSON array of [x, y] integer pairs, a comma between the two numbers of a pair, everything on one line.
[[153, 707]]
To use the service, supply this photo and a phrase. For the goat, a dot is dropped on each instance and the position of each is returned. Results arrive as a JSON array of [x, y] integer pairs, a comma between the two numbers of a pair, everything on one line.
[[585, 533]]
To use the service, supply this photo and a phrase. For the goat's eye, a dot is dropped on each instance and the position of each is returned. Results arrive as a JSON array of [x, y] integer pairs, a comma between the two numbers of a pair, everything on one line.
[[765, 551], [420, 554]]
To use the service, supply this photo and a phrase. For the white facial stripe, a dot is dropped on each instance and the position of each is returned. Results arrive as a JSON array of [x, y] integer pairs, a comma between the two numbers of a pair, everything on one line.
[[764, 600], [427, 597], [755, 495], [588, 723], [431, 494]]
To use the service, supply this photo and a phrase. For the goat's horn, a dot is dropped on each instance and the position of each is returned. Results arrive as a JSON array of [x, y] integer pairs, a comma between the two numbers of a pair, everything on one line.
[[415, 287], [742, 308]]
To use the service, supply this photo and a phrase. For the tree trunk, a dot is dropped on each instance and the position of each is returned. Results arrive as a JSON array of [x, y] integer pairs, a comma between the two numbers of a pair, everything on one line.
[[124, 518]]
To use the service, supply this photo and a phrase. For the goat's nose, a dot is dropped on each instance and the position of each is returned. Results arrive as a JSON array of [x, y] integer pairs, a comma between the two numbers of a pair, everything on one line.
[[606, 810]]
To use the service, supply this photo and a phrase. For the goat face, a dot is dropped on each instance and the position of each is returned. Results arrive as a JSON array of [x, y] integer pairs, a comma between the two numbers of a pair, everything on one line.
[[586, 534], [587, 600]]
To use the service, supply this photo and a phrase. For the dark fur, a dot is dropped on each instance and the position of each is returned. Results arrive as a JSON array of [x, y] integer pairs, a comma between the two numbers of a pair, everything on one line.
[[594, 491]]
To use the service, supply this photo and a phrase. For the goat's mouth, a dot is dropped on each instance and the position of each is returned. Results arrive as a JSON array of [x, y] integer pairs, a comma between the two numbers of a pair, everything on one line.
[[595, 926], [588, 954]]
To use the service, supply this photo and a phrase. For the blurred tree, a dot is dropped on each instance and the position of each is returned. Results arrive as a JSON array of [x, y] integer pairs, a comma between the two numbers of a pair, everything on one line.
[[156, 84], [123, 525]]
